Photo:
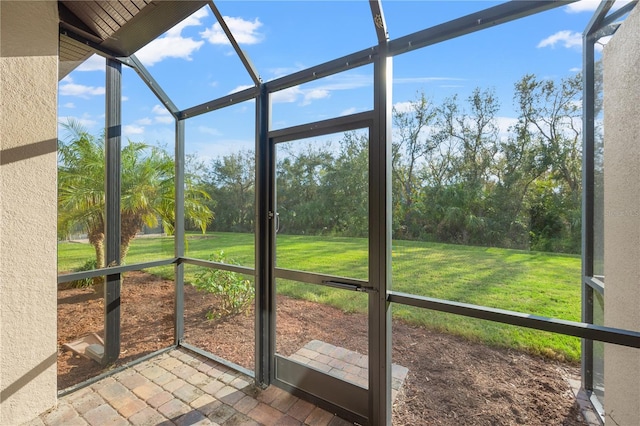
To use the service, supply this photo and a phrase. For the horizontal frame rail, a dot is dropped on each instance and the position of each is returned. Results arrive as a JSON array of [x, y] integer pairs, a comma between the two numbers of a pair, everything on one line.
[[73, 276], [570, 328], [217, 265], [225, 101], [345, 123], [335, 66], [315, 278], [474, 22]]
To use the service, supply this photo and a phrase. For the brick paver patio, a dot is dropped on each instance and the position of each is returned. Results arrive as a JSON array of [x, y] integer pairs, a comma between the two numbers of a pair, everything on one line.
[[182, 388]]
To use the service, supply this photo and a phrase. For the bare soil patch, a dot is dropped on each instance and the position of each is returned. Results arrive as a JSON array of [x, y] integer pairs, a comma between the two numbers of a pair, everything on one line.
[[451, 381]]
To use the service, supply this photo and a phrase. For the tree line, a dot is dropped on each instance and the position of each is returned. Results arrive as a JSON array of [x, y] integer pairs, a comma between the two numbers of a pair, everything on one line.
[[457, 176]]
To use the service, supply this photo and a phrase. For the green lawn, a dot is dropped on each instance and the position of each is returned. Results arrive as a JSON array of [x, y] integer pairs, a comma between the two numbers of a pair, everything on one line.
[[530, 282]]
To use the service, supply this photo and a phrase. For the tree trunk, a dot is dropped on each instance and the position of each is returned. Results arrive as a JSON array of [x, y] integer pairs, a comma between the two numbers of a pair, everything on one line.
[[130, 225], [96, 238]]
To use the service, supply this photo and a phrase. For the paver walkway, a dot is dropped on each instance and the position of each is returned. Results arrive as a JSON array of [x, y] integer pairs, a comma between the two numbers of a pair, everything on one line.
[[345, 364], [181, 388]]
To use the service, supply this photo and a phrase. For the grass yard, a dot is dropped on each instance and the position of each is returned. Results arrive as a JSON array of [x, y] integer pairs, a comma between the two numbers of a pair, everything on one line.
[[530, 282]]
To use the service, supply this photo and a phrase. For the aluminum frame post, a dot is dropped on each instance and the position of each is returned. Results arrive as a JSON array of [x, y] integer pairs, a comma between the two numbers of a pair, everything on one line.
[[179, 234], [588, 151], [588, 163], [264, 244], [380, 243], [113, 132]]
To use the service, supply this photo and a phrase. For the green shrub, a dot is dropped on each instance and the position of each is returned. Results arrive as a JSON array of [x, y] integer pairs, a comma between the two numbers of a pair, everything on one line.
[[86, 282], [234, 291]]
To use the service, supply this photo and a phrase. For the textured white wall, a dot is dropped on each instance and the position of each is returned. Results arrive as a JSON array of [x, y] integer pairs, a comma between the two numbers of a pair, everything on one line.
[[622, 217], [28, 133]]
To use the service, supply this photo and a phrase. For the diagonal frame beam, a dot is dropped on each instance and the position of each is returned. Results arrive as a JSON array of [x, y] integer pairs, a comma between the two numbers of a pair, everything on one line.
[[378, 20], [151, 83], [241, 53], [598, 16]]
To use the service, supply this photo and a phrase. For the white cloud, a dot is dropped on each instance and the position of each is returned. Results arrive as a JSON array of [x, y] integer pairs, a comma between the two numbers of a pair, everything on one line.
[[124, 98], [566, 38], [69, 88], [144, 121], [191, 21], [69, 105], [403, 106], [240, 88], [209, 131], [322, 90], [287, 95], [168, 47], [575, 69], [282, 71], [173, 44], [208, 149], [132, 129], [164, 119], [314, 94], [94, 63], [162, 115], [245, 32], [591, 5], [504, 125], [303, 96], [582, 6], [85, 121], [159, 109]]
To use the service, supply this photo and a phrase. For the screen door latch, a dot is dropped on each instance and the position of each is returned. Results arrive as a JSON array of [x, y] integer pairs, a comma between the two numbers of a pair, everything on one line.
[[349, 286]]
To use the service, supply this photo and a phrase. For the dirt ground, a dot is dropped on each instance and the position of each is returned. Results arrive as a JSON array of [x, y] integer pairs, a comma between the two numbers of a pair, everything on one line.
[[451, 381]]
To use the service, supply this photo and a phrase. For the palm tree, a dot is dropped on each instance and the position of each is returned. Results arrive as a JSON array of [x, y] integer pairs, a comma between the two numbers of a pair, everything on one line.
[[147, 185]]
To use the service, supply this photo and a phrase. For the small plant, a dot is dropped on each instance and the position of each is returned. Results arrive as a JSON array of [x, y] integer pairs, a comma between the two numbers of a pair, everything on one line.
[[235, 292], [85, 282]]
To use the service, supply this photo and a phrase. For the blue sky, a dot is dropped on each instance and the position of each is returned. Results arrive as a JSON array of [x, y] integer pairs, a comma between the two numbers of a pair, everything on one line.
[[194, 63]]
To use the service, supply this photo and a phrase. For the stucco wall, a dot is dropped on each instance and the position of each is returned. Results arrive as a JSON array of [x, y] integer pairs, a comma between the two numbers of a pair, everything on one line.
[[622, 217], [28, 90]]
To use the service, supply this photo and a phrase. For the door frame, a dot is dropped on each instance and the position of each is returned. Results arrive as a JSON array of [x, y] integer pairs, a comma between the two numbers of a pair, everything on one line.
[[378, 120], [349, 400]]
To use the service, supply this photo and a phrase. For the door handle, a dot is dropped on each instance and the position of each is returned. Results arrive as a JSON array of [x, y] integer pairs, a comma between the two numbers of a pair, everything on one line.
[[275, 217]]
